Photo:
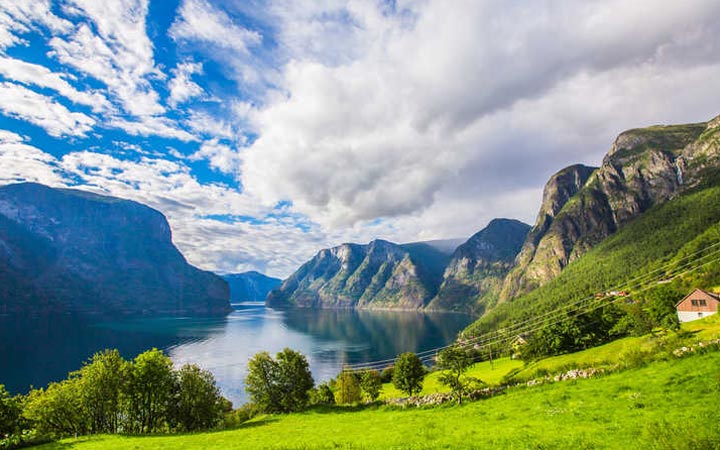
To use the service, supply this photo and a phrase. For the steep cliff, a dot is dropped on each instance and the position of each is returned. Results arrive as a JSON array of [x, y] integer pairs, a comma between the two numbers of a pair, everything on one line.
[[472, 279], [64, 250], [581, 207]]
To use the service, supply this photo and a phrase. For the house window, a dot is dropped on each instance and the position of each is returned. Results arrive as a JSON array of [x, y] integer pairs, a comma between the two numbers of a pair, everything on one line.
[[698, 302]]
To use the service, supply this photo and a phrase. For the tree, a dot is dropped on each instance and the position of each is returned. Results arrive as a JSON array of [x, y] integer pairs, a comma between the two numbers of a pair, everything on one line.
[[455, 362], [409, 373], [279, 385], [370, 384], [102, 382], [58, 410], [295, 380], [347, 388], [9, 412], [199, 405], [150, 392], [322, 395]]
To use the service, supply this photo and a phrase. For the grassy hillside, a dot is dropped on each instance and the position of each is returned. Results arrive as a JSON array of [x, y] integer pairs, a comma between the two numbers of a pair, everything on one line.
[[666, 404], [664, 234]]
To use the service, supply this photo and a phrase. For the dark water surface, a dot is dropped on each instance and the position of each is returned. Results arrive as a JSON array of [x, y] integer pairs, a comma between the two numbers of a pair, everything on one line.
[[39, 350]]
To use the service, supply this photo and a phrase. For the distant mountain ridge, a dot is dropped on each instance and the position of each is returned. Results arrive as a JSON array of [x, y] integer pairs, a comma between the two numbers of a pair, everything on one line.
[[250, 286], [66, 250], [383, 275]]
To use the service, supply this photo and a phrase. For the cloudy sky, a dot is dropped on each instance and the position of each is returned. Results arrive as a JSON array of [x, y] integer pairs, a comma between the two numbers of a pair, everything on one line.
[[268, 129]]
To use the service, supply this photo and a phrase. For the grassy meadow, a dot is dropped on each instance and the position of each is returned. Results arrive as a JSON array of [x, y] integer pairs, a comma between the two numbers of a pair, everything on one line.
[[659, 402]]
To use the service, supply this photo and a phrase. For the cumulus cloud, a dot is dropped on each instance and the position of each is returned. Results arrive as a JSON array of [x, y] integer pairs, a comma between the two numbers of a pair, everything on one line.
[[19, 102], [472, 101], [23, 162], [220, 156]]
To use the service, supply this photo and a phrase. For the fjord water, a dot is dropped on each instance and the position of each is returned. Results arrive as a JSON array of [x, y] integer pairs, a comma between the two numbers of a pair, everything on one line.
[[39, 350]]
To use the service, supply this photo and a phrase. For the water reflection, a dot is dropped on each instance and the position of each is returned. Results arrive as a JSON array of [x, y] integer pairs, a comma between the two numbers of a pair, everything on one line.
[[41, 350]]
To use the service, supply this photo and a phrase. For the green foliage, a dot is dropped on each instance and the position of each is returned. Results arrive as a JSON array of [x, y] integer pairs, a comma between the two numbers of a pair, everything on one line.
[[454, 362], [347, 389], [650, 247], [150, 390], [199, 405], [596, 413], [370, 384], [409, 373], [279, 385], [103, 382], [58, 410], [322, 395], [387, 374], [10, 411]]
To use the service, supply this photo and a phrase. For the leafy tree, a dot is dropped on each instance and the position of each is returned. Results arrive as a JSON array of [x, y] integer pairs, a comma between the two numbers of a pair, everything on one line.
[[347, 388], [322, 395], [455, 362], [387, 374], [150, 392], [409, 373], [102, 382], [279, 385], [370, 384], [661, 306], [199, 405], [9, 412], [58, 410], [295, 380]]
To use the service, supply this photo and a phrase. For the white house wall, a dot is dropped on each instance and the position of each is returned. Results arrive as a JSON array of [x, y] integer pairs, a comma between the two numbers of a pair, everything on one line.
[[689, 316]]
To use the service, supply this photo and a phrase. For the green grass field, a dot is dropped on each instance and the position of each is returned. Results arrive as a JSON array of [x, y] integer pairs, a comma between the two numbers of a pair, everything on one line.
[[666, 404]]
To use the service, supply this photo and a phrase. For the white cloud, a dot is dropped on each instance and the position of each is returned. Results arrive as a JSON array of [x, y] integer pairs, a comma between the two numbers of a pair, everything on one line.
[[198, 20], [152, 126], [182, 88], [19, 102], [220, 157], [120, 55], [18, 17], [203, 123], [410, 108], [35, 74], [23, 162]]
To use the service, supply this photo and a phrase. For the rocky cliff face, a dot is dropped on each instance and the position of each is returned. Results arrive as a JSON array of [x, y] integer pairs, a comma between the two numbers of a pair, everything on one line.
[[582, 206], [250, 286], [474, 276], [67, 250], [379, 275]]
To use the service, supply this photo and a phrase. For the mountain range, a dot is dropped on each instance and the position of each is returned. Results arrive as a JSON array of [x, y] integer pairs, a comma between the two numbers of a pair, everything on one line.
[[582, 206], [65, 250], [250, 286]]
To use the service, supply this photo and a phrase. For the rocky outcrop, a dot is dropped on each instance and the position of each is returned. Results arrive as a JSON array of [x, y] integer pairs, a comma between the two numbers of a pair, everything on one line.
[[64, 250], [379, 275], [581, 207], [474, 276], [250, 286]]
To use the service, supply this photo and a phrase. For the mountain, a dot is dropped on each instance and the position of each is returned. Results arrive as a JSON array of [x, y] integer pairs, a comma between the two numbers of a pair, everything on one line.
[[64, 250], [250, 286], [474, 276], [582, 206], [378, 275]]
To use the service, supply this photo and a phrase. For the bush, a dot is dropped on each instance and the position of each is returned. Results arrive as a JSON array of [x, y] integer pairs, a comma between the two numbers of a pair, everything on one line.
[[370, 384], [387, 374], [322, 395]]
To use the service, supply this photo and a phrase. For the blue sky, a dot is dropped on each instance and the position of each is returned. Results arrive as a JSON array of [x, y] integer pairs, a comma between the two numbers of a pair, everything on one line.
[[268, 129]]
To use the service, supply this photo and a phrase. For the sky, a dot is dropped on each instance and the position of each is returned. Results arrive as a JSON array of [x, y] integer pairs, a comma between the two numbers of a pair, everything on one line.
[[266, 130]]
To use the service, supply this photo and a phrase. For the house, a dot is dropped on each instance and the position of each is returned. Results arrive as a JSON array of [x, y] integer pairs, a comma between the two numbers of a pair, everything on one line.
[[696, 305]]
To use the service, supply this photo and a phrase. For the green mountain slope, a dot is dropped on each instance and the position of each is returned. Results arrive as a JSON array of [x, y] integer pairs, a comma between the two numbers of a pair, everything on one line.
[[644, 168], [659, 238]]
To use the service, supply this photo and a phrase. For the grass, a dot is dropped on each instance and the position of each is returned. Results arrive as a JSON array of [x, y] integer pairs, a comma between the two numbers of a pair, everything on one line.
[[664, 404], [640, 408], [490, 373]]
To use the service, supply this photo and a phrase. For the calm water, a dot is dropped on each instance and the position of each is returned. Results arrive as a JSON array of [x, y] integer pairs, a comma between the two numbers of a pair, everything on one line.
[[36, 351]]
